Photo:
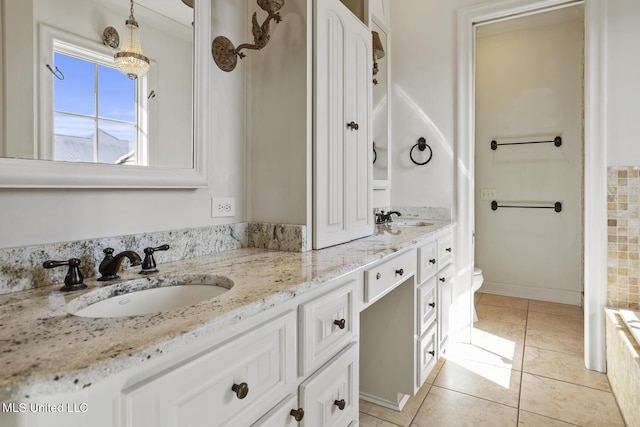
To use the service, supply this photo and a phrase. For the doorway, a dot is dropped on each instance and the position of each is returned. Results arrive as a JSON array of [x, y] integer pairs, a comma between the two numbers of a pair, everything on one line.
[[528, 155], [595, 255]]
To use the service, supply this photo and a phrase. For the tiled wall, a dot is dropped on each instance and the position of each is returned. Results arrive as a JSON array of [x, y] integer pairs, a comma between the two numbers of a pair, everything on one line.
[[623, 232]]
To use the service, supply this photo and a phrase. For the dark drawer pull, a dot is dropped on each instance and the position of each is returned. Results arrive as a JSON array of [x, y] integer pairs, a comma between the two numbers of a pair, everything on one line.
[[432, 304], [341, 404], [340, 323], [442, 279], [297, 414], [432, 261], [400, 271], [448, 249], [241, 390]]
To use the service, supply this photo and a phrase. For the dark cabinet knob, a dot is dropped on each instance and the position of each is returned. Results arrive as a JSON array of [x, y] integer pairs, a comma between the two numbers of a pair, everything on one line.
[[433, 353], [442, 279], [297, 414], [400, 271], [241, 390], [378, 276], [352, 125], [340, 323], [432, 304], [341, 404], [448, 249], [432, 261]]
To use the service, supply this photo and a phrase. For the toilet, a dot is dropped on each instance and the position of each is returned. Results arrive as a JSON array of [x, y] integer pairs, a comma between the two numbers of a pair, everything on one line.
[[478, 279]]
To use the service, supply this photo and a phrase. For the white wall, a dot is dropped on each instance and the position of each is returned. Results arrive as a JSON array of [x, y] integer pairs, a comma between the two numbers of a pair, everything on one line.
[[46, 216], [623, 84], [280, 119], [528, 88]]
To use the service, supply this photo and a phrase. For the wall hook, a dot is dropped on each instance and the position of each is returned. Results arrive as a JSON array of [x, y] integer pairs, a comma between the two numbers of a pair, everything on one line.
[[422, 145], [56, 73]]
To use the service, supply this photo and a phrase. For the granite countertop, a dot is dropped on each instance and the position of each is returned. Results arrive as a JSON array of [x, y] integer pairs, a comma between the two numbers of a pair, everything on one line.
[[39, 339]]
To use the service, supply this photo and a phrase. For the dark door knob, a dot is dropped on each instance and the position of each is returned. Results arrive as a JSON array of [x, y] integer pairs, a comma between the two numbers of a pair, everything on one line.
[[341, 404], [340, 323], [241, 390], [297, 414]]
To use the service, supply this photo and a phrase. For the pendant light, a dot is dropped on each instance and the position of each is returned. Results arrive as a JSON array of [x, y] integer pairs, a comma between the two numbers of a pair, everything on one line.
[[130, 60]]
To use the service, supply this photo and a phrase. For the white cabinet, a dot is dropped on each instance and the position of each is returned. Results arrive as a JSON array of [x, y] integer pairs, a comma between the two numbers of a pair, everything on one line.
[[434, 296], [229, 385], [330, 396], [342, 154]]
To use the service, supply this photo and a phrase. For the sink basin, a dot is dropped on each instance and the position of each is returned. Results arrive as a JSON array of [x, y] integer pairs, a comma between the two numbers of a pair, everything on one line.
[[412, 223], [149, 295]]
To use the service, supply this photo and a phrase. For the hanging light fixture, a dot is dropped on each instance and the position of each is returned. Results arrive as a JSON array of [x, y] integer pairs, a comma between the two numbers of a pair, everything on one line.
[[130, 60]]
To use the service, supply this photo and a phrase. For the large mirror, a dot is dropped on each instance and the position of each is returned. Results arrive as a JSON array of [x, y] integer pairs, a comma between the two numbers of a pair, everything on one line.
[[381, 112], [70, 119]]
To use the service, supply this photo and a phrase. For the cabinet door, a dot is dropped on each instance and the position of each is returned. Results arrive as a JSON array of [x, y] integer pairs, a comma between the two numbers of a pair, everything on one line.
[[342, 154], [329, 397], [445, 299], [209, 389]]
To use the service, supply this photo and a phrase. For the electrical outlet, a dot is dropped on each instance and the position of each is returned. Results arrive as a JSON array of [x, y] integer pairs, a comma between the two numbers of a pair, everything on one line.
[[487, 194], [223, 207]]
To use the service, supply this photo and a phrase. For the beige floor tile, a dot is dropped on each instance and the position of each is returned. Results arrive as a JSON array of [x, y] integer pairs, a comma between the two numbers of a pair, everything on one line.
[[398, 418], [504, 301], [555, 308], [490, 333], [481, 380], [369, 421], [528, 419], [452, 409], [562, 341], [563, 367], [501, 314], [435, 371], [476, 297], [555, 322], [569, 402], [506, 356]]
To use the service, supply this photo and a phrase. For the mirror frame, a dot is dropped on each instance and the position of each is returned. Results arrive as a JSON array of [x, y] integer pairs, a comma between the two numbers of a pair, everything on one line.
[[27, 173]]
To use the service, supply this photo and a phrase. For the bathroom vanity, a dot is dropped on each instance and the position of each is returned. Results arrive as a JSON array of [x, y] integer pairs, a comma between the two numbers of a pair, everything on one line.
[[298, 338]]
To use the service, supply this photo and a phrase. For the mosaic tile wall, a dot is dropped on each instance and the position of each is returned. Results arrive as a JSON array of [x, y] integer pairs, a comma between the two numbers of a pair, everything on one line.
[[623, 208]]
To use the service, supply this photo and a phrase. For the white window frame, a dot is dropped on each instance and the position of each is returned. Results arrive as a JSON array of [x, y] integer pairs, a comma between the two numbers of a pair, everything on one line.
[[56, 40]]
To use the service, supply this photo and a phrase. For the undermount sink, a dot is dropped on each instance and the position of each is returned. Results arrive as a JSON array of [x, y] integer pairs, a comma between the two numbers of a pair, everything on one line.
[[412, 223], [149, 295]]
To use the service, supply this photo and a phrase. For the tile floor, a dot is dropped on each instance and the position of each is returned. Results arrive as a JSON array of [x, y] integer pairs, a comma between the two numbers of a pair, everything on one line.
[[524, 368]]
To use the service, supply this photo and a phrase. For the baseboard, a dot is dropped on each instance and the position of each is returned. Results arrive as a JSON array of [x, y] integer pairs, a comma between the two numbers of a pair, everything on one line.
[[396, 406], [532, 292]]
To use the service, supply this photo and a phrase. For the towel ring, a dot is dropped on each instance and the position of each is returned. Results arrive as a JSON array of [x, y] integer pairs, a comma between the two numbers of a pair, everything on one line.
[[422, 145]]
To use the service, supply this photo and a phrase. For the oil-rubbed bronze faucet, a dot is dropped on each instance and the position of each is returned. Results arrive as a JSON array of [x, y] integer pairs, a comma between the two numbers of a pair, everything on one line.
[[73, 279], [383, 218], [149, 263], [111, 263]]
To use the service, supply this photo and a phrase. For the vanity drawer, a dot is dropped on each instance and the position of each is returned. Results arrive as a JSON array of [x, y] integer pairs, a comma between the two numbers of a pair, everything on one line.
[[387, 274], [280, 415], [327, 324], [427, 350], [426, 305], [200, 391], [331, 388], [445, 250], [427, 259]]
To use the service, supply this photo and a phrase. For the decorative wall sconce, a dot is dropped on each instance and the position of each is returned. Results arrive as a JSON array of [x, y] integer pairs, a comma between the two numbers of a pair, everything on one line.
[[378, 53], [226, 55], [130, 60]]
